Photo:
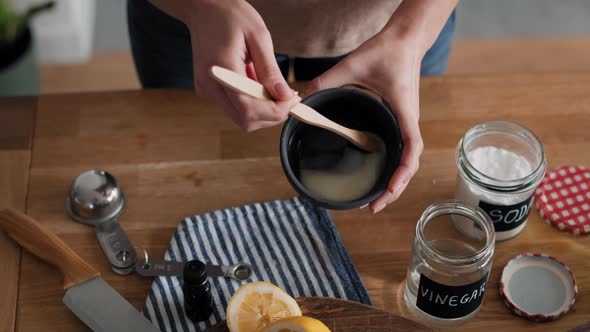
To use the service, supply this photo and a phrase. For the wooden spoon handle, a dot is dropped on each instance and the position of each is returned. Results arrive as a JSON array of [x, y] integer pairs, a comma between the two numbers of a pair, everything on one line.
[[302, 112], [242, 84], [46, 245], [239, 83]]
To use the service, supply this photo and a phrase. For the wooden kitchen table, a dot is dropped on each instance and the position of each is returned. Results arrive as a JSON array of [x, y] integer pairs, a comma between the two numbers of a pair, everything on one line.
[[176, 155]]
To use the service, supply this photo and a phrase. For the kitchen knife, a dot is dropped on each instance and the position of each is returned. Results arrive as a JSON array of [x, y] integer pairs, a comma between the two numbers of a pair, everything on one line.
[[88, 296]]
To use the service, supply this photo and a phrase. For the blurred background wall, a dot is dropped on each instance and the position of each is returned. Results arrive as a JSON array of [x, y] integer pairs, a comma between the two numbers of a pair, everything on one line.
[[492, 36], [66, 32], [476, 19]]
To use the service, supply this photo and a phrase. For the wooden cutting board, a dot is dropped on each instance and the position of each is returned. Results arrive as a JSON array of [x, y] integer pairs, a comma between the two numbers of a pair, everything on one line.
[[346, 316]]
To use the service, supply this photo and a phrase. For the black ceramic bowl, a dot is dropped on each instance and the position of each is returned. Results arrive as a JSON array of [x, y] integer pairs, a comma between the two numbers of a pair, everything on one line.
[[351, 108]]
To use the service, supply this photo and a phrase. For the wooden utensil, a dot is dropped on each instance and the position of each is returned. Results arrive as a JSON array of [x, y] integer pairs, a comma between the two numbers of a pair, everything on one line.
[[302, 112], [88, 296], [346, 316]]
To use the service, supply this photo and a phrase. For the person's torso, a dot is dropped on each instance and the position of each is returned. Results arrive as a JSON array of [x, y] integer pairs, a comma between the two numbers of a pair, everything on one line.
[[323, 28]]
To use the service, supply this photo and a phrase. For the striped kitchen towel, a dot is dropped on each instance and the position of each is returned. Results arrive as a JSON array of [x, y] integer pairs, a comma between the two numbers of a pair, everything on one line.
[[290, 243]]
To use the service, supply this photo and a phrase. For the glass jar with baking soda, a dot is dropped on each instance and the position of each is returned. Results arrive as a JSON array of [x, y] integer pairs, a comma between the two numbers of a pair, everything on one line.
[[500, 164]]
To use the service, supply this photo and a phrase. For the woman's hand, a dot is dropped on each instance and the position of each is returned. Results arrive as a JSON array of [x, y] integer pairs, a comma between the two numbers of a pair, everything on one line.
[[389, 67], [231, 34]]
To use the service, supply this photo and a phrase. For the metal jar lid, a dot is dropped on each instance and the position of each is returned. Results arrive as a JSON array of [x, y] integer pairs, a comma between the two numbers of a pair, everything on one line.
[[538, 287]]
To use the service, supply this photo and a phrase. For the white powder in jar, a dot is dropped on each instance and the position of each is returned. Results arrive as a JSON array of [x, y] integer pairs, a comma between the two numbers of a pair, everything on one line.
[[500, 164]]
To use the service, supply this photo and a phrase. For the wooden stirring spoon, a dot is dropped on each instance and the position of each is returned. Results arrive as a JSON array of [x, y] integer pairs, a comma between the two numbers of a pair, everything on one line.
[[302, 112]]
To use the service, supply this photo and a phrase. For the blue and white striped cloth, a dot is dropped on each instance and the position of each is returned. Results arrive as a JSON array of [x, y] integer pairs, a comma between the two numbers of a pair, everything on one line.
[[291, 244]]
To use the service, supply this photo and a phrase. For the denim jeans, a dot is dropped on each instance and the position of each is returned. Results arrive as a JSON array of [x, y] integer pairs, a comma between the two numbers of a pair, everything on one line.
[[162, 51]]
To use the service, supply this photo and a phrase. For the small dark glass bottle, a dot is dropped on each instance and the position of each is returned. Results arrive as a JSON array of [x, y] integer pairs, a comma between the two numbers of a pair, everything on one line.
[[198, 302]]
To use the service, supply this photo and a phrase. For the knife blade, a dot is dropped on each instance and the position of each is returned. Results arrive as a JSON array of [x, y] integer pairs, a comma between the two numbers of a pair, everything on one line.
[[88, 296], [101, 308]]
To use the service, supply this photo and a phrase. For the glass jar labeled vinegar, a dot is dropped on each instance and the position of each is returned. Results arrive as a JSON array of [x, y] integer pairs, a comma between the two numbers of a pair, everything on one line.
[[447, 276]]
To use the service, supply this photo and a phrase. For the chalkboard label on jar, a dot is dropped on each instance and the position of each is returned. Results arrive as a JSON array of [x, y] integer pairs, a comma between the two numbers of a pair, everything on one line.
[[507, 217], [449, 302]]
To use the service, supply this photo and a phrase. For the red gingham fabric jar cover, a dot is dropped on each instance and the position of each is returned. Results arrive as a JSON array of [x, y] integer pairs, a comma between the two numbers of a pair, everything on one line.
[[563, 199]]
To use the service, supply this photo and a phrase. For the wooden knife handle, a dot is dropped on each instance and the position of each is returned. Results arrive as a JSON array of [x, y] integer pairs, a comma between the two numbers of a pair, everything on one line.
[[46, 245]]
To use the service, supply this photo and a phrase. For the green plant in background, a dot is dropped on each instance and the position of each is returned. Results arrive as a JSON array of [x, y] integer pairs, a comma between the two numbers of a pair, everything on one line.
[[12, 23]]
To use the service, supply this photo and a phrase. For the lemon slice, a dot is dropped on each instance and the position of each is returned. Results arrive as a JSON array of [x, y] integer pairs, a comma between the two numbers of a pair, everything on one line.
[[297, 324], [256, 305]]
